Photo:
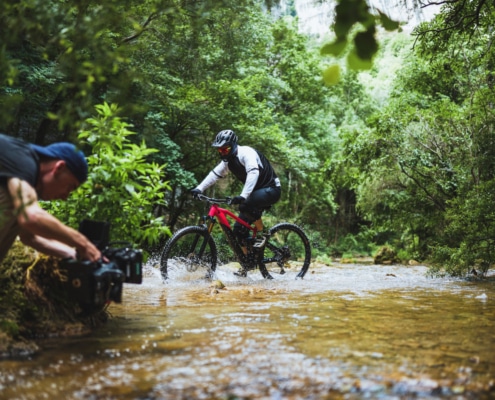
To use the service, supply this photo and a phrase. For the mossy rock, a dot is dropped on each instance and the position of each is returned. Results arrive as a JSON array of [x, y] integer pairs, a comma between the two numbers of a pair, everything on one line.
[[386, 255]]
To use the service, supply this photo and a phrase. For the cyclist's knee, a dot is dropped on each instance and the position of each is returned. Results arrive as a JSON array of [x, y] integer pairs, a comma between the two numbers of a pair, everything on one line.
[[250, 214]]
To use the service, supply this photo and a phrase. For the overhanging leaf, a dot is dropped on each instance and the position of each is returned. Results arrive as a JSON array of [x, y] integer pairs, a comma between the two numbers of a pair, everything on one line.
[[387, 23], [331, 76], [335, 48], [365, 44], [358, 64]]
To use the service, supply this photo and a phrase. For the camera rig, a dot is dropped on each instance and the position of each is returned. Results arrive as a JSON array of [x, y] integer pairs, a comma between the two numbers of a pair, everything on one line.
[[94, 284]]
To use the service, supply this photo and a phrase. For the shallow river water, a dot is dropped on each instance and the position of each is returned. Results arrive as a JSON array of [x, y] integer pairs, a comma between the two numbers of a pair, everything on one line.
[[344, 332]]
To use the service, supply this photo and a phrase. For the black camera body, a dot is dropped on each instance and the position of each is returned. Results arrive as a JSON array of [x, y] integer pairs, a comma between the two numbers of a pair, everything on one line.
[[128, 260], [94, 284]]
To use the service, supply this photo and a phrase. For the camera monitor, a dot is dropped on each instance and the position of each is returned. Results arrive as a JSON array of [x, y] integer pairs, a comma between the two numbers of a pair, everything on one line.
[[96, 231]]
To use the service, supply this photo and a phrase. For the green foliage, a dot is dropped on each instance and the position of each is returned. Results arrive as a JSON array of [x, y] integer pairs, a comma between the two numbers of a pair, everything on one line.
[[354, 22], [57, 58], [469, 239], [359, 245], [9, 327], [123, 187], [348, 245], [460, 23], [421, 167]]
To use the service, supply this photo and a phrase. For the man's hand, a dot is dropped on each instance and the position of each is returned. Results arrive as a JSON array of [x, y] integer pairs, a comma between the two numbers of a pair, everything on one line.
[[89, 252], [195, 193], [238, 200]]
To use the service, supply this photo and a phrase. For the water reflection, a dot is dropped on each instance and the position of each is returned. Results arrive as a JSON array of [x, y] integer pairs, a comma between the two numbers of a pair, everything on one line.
[[343, 332]]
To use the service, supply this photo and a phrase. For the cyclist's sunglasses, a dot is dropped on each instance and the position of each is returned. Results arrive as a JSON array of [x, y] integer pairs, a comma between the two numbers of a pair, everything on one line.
[[224, 150]]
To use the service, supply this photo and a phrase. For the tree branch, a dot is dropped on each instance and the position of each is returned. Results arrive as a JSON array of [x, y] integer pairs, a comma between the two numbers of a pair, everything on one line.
[[142, 30]]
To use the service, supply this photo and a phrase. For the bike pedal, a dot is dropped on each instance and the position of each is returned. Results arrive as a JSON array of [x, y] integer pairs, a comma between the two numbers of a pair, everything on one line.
[[260, 243], [209, 275]]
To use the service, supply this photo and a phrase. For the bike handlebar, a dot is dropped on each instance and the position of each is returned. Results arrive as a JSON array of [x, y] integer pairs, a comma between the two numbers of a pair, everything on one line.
[[212, 200]]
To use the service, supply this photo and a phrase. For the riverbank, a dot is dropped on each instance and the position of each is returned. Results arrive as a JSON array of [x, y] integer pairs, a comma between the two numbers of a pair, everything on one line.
[[34, 304]]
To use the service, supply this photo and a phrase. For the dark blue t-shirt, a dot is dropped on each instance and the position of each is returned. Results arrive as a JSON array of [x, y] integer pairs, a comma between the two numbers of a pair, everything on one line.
[[17, 160]]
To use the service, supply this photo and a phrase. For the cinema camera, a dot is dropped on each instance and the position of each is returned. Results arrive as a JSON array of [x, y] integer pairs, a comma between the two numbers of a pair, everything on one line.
[[94, 284]]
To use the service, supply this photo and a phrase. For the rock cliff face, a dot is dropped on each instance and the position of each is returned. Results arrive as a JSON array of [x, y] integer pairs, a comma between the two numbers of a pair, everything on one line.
[[316, 16]]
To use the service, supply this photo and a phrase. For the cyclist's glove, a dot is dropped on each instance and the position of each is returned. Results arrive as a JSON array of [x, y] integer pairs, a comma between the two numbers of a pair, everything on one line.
[[237, 200], [195, 193]]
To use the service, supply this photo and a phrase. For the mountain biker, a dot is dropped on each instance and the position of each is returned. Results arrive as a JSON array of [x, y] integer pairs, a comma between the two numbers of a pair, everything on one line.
[[261, 184]]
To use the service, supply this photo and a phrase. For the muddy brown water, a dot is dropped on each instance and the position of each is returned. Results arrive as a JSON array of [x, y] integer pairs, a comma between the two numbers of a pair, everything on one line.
[[344, 332]]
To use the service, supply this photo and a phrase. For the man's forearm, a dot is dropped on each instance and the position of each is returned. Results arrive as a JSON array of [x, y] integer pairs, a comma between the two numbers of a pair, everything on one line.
[[48, 246]]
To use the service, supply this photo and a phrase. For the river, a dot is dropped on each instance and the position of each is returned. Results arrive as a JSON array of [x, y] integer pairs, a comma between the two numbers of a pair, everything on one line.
[[347, 331]]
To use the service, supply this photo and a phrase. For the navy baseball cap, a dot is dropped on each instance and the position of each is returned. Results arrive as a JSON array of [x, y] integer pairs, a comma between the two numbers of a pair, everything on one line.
[[74, 159]]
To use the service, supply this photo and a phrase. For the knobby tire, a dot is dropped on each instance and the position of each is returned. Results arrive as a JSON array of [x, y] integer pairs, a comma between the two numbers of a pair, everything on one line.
[[287, 250], [190, 253]]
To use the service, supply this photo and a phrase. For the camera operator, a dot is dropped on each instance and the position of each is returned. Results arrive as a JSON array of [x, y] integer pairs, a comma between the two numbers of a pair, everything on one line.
[[27, 173]]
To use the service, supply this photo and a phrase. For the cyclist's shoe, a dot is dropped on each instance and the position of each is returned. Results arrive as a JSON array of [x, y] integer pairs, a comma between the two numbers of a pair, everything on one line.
[[209, 275], [241, 272]]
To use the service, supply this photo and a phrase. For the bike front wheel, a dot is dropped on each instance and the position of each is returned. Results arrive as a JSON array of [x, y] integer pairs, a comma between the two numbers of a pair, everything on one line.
[[287, 250], [189, 254]]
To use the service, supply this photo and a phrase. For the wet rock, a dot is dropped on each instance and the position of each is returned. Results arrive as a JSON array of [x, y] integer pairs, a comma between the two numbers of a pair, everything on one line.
[[14, 348], [217, 284]]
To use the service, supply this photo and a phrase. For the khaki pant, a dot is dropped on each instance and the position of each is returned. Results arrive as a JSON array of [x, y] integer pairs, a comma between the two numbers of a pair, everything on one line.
[[9, 228]]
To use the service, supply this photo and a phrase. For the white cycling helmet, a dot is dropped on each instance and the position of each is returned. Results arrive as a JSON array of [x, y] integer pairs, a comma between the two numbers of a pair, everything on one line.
[[226, 143], [225, 138]]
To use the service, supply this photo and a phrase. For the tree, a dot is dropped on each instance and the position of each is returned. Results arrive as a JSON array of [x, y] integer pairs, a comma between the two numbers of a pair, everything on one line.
[[123, 186], [57, 60], [428, 166], [458, 22]]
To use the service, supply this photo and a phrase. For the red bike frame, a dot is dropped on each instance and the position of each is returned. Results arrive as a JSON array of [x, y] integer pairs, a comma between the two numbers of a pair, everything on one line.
[[221, 214]]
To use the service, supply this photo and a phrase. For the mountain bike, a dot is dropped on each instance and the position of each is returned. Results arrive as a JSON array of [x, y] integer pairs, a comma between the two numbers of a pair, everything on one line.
[[192, 252]]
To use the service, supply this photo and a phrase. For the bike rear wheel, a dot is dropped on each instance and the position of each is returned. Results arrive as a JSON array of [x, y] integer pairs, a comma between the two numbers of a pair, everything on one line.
[[189, 254], [287, 250]]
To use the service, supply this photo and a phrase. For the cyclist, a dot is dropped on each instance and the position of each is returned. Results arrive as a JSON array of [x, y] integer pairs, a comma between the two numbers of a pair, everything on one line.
[[261, 184]]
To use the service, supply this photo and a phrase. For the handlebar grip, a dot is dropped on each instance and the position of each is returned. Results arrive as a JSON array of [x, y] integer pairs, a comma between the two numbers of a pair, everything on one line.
[[202, 197]]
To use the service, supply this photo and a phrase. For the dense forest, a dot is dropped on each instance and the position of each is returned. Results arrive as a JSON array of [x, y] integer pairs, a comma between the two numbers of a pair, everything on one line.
[[379, 136]]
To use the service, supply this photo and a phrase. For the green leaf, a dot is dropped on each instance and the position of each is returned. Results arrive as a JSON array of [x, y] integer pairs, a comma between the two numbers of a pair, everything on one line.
[[335, 48], [387, 23], [345, 18], [358, 64], [129, 188], [365, 44], [331, 76]]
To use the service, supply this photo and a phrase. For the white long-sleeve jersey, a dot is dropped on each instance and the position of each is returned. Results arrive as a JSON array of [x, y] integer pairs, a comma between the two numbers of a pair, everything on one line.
[[249, 166]]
